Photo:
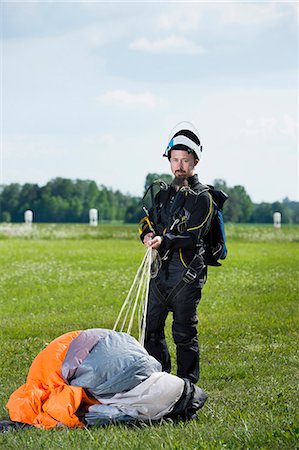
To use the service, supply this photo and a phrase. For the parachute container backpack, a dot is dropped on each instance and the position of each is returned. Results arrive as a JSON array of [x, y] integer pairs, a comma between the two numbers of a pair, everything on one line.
[[215, 240]]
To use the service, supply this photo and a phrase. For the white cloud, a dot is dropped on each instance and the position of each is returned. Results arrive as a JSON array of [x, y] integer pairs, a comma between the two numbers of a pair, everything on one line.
[[251, 14], [93, 36], [171, 44], [270, 126], [123, 98], [181, 18], [289, 126]]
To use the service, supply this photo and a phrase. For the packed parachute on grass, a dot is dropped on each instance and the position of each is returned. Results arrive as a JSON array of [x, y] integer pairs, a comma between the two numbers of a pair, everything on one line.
[[97, 377]]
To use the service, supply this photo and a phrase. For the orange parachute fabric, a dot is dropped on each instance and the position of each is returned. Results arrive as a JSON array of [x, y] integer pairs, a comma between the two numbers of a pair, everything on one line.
[[46, 400]]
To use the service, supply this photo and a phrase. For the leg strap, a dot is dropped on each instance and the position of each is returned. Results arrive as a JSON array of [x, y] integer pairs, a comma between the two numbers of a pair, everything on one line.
[[189, 277]]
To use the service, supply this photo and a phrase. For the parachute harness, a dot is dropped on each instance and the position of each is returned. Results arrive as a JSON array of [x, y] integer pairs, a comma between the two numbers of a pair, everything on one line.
[[135, 305]]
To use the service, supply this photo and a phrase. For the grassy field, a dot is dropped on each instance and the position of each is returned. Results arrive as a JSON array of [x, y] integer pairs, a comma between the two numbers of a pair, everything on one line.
[[58, 278]]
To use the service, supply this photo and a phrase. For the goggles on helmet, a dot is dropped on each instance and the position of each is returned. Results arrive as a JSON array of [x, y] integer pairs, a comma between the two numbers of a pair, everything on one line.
[[190, 146]]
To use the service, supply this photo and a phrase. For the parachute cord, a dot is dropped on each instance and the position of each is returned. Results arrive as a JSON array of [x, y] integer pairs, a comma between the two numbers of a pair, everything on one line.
[[129, 296], [137, 295], [143, 325], [137, 299]]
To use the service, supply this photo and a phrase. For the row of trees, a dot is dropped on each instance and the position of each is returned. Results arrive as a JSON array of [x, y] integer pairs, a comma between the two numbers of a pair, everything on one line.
[[65, 200], [240, 208]]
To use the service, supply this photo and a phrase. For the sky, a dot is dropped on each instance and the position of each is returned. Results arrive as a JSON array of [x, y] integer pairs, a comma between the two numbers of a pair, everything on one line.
[[91, 90]]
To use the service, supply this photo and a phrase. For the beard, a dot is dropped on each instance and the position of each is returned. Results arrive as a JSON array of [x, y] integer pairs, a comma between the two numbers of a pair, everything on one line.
[[179, 181]]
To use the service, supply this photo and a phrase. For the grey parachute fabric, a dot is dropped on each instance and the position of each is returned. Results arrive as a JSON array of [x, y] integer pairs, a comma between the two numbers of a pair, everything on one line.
[[116, 369], [115, 363], [121, 382]]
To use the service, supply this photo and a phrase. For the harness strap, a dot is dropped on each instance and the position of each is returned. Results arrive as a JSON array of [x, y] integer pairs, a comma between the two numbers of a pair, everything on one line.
[[175, 291], [189, 277], [157, 291]]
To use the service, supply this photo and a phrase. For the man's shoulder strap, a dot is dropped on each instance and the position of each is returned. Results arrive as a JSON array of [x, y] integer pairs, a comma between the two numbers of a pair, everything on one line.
[[219, 197], [196, 190], [200, 188]]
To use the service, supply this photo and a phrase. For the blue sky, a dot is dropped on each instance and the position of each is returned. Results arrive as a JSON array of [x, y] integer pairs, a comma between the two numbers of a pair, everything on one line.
[[91, 90]]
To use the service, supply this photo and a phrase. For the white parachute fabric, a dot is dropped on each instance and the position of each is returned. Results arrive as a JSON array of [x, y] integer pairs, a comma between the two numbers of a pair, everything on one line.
[[150, 400], [134, 308]]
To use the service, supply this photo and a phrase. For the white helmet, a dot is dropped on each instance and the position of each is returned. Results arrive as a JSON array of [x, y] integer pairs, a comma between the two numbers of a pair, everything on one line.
[[184, 136]]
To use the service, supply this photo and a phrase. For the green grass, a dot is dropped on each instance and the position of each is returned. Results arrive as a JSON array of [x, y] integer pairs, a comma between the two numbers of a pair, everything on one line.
[[57, 278]]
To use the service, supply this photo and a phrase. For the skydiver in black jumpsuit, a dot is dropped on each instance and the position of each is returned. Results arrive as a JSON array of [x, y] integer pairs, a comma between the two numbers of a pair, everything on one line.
[[174, 226]]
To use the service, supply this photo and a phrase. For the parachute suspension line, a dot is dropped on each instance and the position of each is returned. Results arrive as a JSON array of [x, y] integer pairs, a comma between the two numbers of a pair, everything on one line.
[[138, 297], [136, 301], [129, 298], [142, 322], [141, 308]]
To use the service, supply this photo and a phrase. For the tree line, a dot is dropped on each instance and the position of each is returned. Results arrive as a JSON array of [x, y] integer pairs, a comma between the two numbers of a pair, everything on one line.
[[240, 209], [65, 200]]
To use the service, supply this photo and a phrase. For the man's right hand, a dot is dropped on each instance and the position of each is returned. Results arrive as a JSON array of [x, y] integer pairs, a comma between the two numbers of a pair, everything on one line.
[[148, 238]]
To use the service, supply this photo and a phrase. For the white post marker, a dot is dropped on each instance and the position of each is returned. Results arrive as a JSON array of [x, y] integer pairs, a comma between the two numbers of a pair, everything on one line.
[[28, 217], [277, 220], [93, 217]]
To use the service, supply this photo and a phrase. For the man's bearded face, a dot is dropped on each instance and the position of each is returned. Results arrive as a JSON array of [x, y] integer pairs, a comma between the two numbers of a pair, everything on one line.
[[182, 165]]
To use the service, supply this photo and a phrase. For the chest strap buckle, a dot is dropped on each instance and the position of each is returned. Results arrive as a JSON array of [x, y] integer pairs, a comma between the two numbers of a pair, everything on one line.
[[190, 276]]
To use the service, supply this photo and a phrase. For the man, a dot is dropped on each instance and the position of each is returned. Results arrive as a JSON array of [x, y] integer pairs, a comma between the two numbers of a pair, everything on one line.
[[175, 225]]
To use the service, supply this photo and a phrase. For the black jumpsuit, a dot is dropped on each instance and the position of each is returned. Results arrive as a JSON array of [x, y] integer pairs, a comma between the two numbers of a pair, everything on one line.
[[181, 242]]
